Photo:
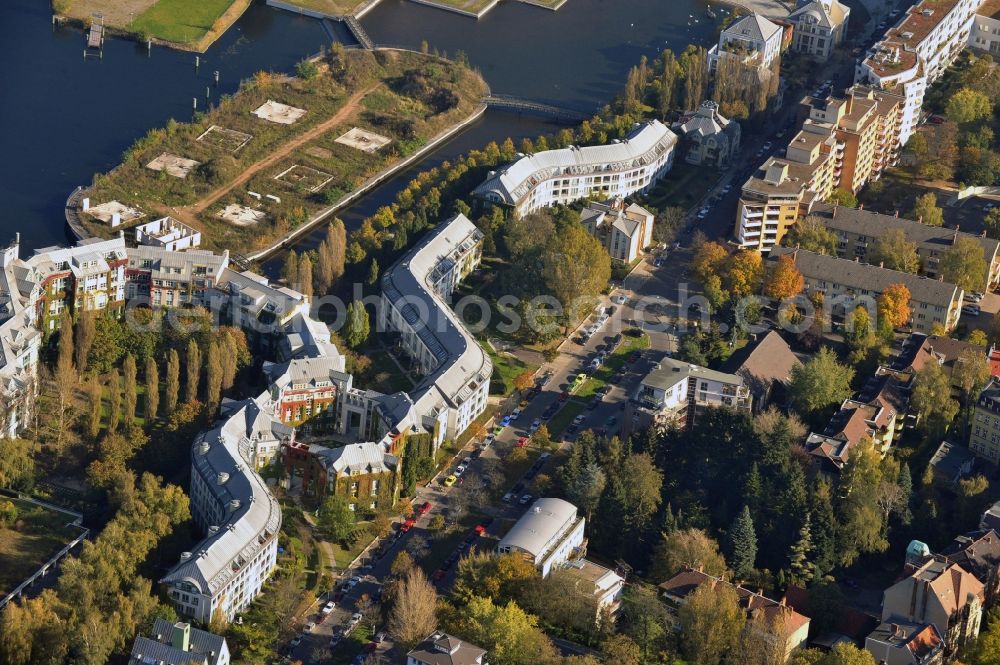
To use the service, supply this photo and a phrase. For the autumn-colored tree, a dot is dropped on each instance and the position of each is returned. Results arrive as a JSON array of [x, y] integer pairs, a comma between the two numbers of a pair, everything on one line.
[[95, 395], [65, 375], [305, 281], [743, 274], [894, 305], [86, 330], [926, 210], [964, 264], [114, 400], [577, 269], [709, 259], [525, 380], [712, 622], [414, 613], [784, 279], [895, 251], [692, 548]]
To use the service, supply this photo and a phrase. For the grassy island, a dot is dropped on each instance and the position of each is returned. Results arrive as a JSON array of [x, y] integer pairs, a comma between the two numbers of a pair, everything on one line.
[[315, 138], [186, 24]]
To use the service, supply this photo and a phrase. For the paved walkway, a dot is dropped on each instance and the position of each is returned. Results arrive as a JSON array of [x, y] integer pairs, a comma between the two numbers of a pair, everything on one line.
[[769, 8]]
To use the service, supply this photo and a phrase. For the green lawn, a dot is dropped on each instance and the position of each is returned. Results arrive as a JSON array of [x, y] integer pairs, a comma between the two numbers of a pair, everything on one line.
[[561, 420], [384, 376], [180, 21], [505, 369], [25, 546], [351, 646], [345, 556], [330, 7]]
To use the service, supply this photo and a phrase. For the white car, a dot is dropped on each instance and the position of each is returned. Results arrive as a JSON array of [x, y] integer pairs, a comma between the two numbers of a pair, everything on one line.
[[619, 299], [579, 419], [460, 469], [703, 213], [329, 607], [309, 627], [488, 441]]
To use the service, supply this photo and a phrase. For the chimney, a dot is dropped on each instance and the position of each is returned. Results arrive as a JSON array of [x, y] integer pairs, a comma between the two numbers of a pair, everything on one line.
[[180, 639], [861, 206], [881, 264], [897, 213]]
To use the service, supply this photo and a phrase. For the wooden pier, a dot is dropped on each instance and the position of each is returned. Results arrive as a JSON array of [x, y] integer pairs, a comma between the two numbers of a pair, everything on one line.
[[95, 38]]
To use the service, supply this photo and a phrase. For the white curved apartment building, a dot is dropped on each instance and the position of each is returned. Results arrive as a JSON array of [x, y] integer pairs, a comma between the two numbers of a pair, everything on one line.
[[232, 504], [618, 169], [456, 369]]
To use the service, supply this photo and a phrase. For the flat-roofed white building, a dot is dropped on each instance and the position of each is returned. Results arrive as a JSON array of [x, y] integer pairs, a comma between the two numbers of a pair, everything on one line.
[[20, 340], [553, 177], [915, 52], [550, 533], [676, 391], [415, 294], [167, 233]]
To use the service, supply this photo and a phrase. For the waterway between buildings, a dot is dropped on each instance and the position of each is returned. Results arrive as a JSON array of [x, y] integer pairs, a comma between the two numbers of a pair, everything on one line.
[[64, 118]]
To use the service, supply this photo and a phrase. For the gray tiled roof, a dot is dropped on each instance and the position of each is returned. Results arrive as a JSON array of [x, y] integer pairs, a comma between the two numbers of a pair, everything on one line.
[[855, 275]]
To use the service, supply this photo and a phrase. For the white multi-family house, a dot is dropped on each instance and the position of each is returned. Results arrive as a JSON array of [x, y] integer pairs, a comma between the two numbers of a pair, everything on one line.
[[820, 25], [619, 169], [751, 37], [549, 534], [677, 391], [915, 52]]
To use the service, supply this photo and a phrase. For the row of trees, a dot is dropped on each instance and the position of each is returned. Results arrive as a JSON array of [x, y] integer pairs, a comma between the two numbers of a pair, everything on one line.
[[100, 601]]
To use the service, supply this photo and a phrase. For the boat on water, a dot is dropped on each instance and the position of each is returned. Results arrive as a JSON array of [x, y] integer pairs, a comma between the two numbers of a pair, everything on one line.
[[710, 13]]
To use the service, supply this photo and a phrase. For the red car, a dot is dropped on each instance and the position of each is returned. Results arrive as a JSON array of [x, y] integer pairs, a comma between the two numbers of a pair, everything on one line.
[[522, 442], [425, 508], [563, 396], [480, 529], [407, 525], [438, 575]]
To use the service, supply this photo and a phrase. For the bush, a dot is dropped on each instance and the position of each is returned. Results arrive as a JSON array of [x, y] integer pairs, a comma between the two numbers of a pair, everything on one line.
[[307, 69], [8, 513]]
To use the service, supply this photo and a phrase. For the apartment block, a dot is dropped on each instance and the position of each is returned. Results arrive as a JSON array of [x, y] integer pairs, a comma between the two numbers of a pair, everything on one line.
[[415, 295], [784, 189], [677, 391], [160, 277], [985, 34], [90, 276], [20, 341], [845, 283], [915, 52], [984, 435], [820, 26], [857, 230], [865, 123], [621, 168]]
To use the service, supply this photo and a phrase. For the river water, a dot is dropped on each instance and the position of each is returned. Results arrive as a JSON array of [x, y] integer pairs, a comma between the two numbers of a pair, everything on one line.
[[64, 118]]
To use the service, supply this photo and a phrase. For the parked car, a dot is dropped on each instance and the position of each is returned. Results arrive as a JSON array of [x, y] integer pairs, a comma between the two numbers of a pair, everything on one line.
[[619, 299], [425, 508], [488, 441], [309, 627], [544, 456], [515, 414], [329, 607], [611, 421], [525, 499], [296, 641], [460, 469], [971, 310], [535, 424], [505, 421], [579, 419], [522, 442], [508, 497], [450, 480]]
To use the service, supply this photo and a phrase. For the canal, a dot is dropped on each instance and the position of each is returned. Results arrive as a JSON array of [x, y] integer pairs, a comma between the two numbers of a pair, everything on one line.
[[63, 118]]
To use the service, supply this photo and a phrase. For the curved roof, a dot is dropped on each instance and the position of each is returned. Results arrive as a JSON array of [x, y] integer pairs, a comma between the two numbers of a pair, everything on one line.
[[646, 143], [545, 521]]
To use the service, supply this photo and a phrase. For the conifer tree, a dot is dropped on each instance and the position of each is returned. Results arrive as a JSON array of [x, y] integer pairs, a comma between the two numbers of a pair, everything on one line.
[[906, 494], [800, 563], [373, 272], [152, 388], [114, 400], [192, 371], [290, 271], [95, 395], [743, 545], [229, 361], [173, 380], [131, 393], [305, 285], [213, 375], [86, 331]]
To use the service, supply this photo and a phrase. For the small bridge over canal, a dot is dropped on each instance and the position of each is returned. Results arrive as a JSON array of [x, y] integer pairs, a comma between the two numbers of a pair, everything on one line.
[[520, 105]]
